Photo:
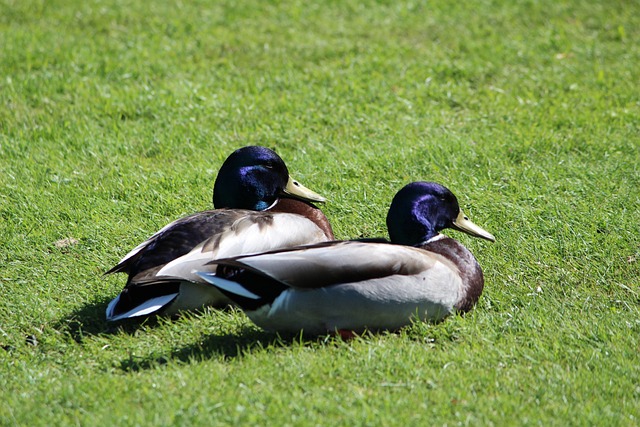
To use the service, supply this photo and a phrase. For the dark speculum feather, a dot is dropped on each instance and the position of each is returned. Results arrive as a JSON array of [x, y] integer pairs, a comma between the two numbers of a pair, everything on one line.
[[133, 296], [265, 287]]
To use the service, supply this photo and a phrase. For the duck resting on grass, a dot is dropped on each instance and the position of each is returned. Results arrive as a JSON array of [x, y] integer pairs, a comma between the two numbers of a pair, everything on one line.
[[258, 207], [352, 286]]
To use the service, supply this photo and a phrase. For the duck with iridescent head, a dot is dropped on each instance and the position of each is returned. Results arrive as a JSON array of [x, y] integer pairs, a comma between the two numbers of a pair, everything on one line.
[[258, 207], [363, 285]]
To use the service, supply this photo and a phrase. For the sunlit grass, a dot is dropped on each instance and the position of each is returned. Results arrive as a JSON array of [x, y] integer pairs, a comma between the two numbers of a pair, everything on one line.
[[116, 115]]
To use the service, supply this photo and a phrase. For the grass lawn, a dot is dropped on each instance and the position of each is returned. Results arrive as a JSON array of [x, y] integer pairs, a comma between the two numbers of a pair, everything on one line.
[[115, 116]]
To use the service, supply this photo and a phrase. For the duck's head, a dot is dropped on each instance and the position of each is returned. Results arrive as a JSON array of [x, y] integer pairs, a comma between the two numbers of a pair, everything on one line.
[[421, 209], [254, 178]]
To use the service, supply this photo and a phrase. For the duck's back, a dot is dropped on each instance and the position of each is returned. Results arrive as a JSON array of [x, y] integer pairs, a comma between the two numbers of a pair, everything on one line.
[[175, 240]]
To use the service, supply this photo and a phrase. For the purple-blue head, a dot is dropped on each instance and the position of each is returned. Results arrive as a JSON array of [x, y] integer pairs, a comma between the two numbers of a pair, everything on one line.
[[254, 178], [421, 209]]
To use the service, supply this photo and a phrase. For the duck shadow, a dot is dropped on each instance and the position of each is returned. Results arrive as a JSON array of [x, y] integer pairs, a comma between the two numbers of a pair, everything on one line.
[[234, 346], [89, 320], [226, 346]]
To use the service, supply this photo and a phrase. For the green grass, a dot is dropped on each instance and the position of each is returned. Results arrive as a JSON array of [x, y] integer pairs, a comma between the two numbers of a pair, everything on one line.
[[116, 115]]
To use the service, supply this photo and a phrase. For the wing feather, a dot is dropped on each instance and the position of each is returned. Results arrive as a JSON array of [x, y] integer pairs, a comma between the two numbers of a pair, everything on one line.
[[252, 233], [333, 263], [176, 239]]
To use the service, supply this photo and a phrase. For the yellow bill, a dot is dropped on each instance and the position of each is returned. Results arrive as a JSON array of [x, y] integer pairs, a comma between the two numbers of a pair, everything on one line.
[[462, 223], [297, 190]]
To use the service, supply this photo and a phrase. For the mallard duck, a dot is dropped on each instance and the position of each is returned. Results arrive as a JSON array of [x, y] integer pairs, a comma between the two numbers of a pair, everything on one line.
[[259, 207], [351, 286]]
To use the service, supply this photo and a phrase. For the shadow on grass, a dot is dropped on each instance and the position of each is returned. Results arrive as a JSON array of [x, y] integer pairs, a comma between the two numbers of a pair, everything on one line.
[[248, 340], [90, 320], [226, 347]]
